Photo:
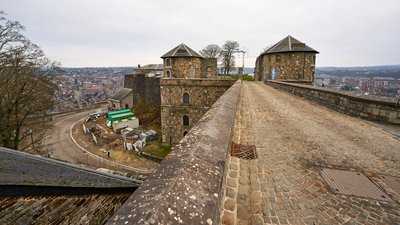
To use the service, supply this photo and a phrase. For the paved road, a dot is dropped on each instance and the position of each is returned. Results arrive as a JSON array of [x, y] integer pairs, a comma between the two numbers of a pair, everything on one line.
[[59, 143], [295, 137]]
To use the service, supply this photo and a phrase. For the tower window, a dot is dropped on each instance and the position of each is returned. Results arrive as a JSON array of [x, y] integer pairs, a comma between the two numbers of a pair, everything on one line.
[[208, 71], [192, 72], [185, 98], [168, 73], [185, 120], [168, 62]]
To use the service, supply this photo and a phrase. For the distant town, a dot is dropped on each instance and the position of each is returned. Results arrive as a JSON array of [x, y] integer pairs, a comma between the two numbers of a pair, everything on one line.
[[82, 87], [377, 80]]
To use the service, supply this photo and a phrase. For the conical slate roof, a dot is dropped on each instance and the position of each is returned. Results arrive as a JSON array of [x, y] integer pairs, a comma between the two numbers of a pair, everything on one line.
[[289, 44], [181, 51]]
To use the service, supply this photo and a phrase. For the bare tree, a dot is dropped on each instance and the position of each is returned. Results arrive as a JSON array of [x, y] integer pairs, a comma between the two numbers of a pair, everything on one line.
[[26, 90], [211, 51], [227, 55], [266, 48]]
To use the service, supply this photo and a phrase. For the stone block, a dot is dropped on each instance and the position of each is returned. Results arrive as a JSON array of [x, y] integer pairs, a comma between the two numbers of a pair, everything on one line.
[[383, 112], [392, 115], [230, 204], [375, 111], [244, 189], [231, 183], [243, 212], [228, 218], [394, 121]]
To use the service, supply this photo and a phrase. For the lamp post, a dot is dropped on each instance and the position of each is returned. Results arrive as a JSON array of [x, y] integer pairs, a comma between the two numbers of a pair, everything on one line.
[[30, 132]]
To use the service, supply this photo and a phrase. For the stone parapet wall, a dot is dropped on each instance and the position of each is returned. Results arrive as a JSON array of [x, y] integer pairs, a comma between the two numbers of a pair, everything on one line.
[[374, 108], [187, 186]]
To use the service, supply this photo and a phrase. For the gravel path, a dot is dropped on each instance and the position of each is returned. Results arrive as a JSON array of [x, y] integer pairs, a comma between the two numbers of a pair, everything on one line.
[[293, 137]]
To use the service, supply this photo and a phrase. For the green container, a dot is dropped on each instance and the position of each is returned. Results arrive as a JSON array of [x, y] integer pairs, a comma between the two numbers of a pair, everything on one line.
[[121, 117], [118, 112]]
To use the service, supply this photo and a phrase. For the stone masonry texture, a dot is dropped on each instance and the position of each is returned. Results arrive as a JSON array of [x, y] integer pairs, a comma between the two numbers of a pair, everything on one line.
[[202, 95], [145, 89], [375, 108], [186, 188], [180, 67], [293, 137], [292, 66]]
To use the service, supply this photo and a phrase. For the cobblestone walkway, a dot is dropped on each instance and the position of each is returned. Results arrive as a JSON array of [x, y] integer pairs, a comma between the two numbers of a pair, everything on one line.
[[293, 137]]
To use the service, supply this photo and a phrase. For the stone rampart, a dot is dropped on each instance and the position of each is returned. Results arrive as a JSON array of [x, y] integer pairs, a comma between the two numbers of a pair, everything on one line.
[[145, 89], [374, 108], [187, 186]]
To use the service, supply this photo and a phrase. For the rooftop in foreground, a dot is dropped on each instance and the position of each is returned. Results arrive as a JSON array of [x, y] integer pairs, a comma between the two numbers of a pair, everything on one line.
[[38, 190]]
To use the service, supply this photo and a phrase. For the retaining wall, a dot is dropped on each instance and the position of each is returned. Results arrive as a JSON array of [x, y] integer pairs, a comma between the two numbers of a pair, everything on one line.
[[374, 108]]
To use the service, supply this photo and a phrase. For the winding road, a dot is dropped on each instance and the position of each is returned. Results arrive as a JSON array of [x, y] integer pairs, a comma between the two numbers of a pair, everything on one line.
[[58, 142]]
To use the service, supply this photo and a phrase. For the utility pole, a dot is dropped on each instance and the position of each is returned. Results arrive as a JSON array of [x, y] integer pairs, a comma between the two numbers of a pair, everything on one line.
[[30, 132], [243, 53]]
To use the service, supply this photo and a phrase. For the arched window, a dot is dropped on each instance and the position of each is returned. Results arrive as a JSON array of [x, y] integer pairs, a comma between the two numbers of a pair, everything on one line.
[[185, 120], [185, 98], [208, 71], [168, 62], [192, 72], [184, 133], [168, 73], [275, 73]]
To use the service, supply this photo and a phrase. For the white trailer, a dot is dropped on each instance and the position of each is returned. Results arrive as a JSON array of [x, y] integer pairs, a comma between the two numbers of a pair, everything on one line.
[[131, 122]]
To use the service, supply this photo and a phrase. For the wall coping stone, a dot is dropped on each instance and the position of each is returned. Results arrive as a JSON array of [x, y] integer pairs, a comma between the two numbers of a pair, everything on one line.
[[187, 186], [380, 100]]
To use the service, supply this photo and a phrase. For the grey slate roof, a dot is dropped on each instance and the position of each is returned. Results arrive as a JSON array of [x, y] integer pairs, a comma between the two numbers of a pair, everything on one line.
[[152, 67], [149, 68], [19, 168], [181, 50], [289, 44], [121, 95]]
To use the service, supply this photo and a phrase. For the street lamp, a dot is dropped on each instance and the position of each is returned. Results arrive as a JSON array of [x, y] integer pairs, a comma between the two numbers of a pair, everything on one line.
[[30, 132]]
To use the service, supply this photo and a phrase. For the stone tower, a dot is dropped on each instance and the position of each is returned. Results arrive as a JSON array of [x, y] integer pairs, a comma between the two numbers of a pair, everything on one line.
[[183, 62], [189, 87], [288, 60]]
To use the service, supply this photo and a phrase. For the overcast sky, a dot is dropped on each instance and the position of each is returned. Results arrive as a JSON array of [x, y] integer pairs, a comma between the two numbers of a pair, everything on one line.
[[129, 32]]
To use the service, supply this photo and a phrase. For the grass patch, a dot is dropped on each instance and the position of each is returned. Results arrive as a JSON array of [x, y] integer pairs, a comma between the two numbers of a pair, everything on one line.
[[244, 77], [158, 149]]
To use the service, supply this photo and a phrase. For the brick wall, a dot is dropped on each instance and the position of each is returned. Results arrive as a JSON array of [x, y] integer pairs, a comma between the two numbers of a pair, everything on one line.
[[367, 107]]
